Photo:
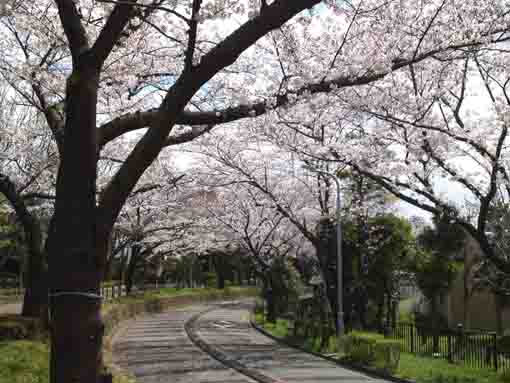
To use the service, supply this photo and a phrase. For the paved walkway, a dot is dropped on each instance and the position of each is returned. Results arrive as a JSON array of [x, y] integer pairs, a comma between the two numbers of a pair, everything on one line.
[[10, 308], [157, 349], [228, 329]]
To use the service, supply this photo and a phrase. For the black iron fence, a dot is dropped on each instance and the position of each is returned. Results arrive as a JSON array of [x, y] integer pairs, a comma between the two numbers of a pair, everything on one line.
[[481, 349]]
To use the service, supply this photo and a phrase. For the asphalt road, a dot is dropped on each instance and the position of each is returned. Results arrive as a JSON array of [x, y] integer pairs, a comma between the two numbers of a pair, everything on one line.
[[157, 349]]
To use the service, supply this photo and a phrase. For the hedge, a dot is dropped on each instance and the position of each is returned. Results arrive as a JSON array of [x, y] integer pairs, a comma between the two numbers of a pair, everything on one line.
[[136, 306], [373, 350], [16, 327]]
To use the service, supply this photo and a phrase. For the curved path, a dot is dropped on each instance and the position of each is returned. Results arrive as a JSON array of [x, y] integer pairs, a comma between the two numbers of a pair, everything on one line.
[[228, 330], [156, 349]]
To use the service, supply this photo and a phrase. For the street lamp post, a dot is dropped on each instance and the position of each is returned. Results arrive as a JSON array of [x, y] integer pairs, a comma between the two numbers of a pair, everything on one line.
[[340, 313]]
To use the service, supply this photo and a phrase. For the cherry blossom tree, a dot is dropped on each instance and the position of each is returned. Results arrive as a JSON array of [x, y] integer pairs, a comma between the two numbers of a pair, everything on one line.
[[438, 122], [99, 69], [269, 200], [154, 218], [28, 165], [260, 228], [456, 134]]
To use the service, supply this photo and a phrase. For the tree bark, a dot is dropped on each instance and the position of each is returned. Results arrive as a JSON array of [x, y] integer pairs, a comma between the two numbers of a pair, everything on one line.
[[466, 312], [435, 322], [36, 294], [35, 300], [221, 280], [219, 267], [77, 244], [270, 299], [380, 313], [499, 304], [388, 310], [109, 261], [131, 268]]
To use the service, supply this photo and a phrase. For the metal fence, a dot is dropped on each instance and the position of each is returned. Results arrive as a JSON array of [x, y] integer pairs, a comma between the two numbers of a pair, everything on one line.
[[108, 293], [112, 292], [473, 348], [115, 291]]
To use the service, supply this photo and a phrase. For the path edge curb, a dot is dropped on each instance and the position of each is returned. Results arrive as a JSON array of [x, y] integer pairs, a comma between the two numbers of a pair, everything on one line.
[[352, 367]]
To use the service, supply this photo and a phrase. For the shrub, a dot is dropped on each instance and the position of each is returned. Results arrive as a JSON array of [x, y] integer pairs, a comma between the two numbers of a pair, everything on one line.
[[504, 344], [387, 355], [211, 280], [373, 350], [259, 307], [360, 348], [16, 327]]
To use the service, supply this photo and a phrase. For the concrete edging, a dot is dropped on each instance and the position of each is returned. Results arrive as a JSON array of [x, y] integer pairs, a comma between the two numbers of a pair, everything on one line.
[[352, 367]]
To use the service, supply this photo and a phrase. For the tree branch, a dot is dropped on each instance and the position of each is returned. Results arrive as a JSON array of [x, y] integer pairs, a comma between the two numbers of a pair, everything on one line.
[[178, 96], [139, 120], [73, 28], [111, 31]]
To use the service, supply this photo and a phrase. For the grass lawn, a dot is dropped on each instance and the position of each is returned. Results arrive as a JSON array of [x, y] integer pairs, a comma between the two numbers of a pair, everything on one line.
[[27, 361], [168, 292], [24, 362], [428, 370], [416, 368], [282, 329]]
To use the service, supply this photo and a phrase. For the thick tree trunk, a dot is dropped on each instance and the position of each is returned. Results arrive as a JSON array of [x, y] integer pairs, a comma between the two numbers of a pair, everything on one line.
[[270, 299], [35, 300], [363, 307], [78, 241], [109, 261], [77, 244], [388, 311], [221, 280], [36, 292], [131, 268], [499, 304], [435, 323], [394, 314], [380, 313], [466, 312], [219, 267]]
